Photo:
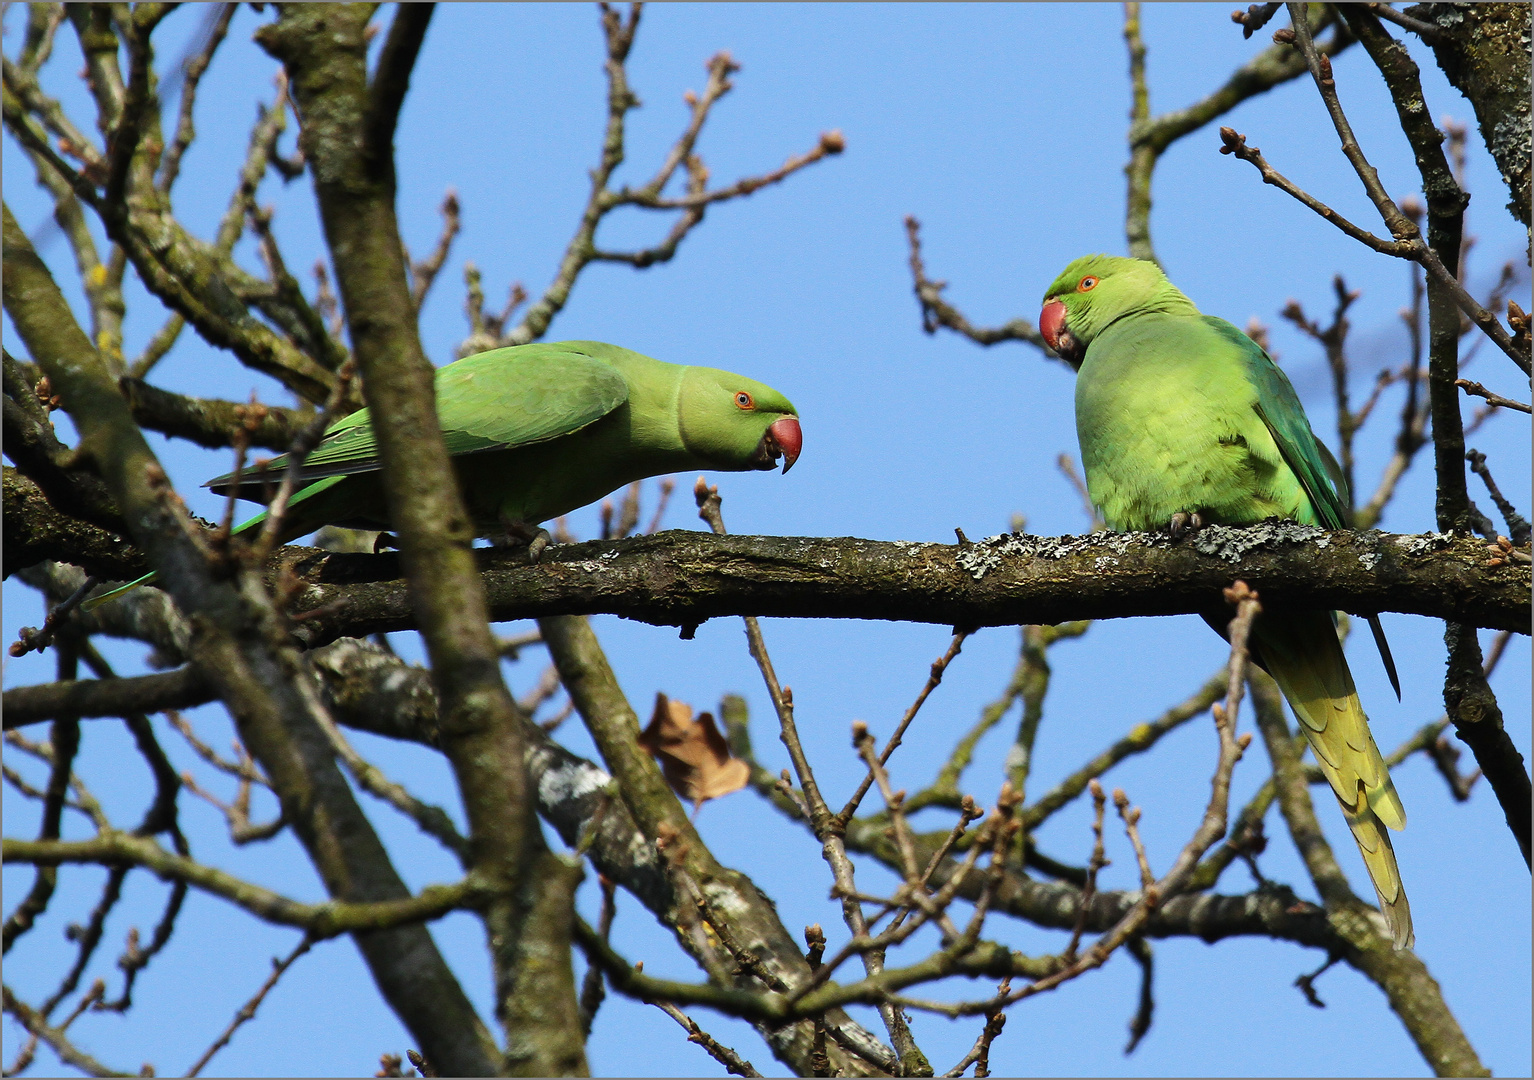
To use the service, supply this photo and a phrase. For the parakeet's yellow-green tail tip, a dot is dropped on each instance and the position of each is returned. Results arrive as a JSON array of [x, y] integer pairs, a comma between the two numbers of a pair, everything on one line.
[[1301, 651], [112, 594], [1380, 859]]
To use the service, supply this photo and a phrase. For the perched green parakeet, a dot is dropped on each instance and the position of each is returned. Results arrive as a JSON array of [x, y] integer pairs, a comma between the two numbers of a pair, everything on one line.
[[538, 430], [1184, 421]]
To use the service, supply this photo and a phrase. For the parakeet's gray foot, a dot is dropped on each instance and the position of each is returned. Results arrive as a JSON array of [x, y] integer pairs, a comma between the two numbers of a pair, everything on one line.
[[536, 545], [520, 532], [1184, 523]]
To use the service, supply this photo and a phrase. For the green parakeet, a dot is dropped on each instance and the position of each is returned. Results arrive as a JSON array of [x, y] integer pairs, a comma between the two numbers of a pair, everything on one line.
[[538, 430], [1184, 421]]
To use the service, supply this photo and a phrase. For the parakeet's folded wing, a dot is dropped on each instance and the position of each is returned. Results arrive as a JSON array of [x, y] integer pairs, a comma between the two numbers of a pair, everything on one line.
[[492, 401], [1280, 409], [1307, 456]]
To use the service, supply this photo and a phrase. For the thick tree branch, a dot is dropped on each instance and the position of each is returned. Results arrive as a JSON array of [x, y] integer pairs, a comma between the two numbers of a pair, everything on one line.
[[242, 646], [347, 129], [655, 811], [1467, 694], [212, 422], [1484, 51], [36, 531], [32, 444], [677, 578], [391, 80], [1477, 718]]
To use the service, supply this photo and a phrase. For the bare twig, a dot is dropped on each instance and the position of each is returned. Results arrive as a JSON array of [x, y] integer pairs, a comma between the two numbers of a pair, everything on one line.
[[1145, 1009], [1067, 469], [1098, 860], [431, 820], [243, 768], [422, 274], [1139, 739], [734, 1064], [1401, 227], [248, 1010], [546, 687], [90, 998], [980, 1054], [1254, 18], [306, 440], [1477, 390], [1307, 983], [1150, 137], [1131, 818], [1235, 143], [1209, 830], [237, 813], [1518, 526], [592, 990], [935, 311], [934, 677], [193, 69], [667, 486], [583, 249], [65, 739], [37, 1025], [31, 640], [1334, 340], [1426, 31], [1413, 248], [58, 751], [819, 814]]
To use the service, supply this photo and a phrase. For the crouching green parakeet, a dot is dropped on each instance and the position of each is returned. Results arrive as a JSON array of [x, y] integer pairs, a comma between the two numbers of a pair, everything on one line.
[[538, 430], [1184, 421]]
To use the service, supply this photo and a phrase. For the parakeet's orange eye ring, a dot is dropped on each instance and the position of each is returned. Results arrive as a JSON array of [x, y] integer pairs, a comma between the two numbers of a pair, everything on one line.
[[1086, 283], [744, 400]]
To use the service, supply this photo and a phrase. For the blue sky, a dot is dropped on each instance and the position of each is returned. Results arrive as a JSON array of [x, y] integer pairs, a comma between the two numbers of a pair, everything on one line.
[[1003, 129]]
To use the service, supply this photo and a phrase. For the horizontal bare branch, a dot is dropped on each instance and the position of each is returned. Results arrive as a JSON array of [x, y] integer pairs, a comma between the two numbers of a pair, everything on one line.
[[681, 578]]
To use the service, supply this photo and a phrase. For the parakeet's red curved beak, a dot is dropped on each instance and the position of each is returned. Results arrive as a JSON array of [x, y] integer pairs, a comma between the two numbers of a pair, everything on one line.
[[786, 434], [781, 439], [1051, 322]]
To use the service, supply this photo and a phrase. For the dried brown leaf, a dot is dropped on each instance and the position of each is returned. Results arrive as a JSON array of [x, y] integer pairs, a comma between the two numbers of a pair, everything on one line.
[[693, 755]]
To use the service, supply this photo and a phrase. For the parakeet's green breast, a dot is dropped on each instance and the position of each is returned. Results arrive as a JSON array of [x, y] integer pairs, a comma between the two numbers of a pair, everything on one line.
[[1168, 424]]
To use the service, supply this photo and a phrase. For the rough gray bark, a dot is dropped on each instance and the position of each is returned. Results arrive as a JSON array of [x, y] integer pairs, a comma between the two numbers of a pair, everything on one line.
[[679, 578], [1484, 50]]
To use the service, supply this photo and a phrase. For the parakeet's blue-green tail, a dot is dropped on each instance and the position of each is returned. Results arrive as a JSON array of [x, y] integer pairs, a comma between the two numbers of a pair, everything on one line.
[[1301, 651]]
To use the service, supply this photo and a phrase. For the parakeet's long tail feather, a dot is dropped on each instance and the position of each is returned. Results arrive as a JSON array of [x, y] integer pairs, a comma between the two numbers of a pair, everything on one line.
[[1385, 658], [1301, 651], [96, 601], [300, 519]]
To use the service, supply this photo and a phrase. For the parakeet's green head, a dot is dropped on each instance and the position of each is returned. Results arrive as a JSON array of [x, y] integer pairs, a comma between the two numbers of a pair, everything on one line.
[[1096, 290], [736, 422]]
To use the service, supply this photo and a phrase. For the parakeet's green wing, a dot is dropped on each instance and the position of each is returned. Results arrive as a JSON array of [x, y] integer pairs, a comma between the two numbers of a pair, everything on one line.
[[1280, 409], [491, 401], [1307, 456]]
